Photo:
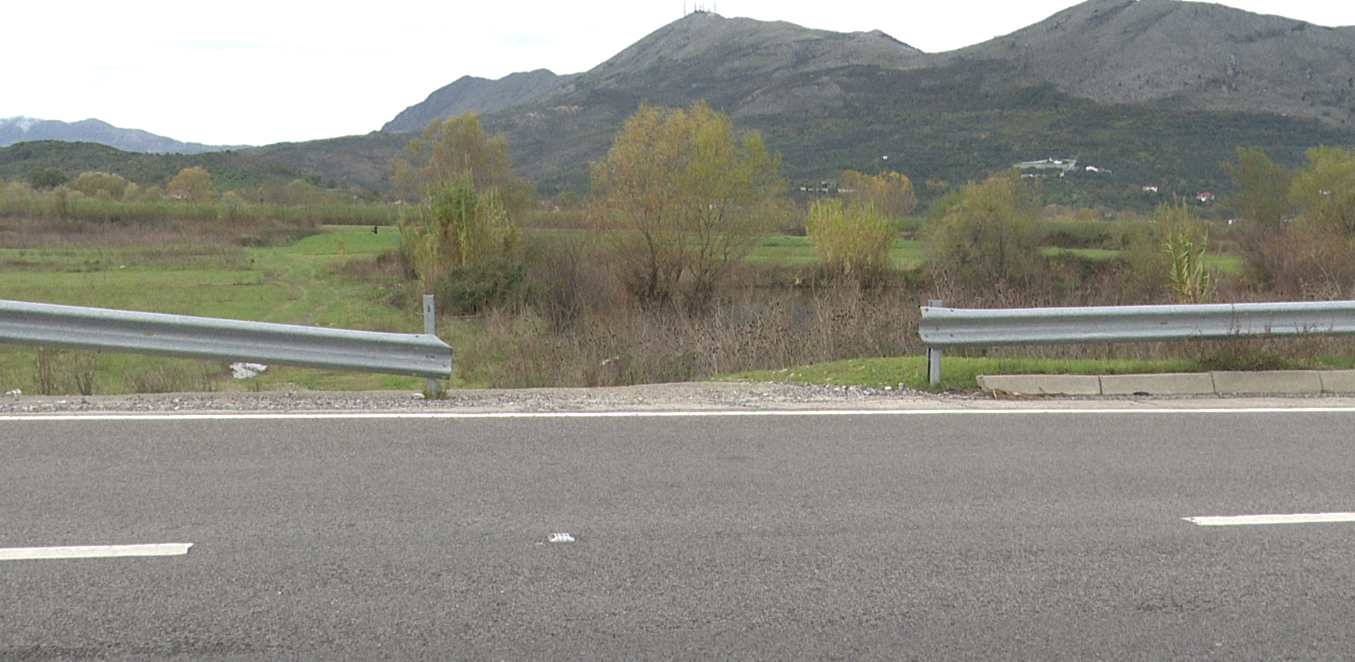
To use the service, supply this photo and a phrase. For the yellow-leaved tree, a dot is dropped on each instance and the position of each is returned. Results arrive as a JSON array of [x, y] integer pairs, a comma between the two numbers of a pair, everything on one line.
[[468, 197], [890, 193], [984, 242], [683, 198], [455, 146], [192, 185]]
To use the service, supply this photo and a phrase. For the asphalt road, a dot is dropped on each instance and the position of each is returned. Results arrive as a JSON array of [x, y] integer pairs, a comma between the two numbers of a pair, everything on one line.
[[926, 536]]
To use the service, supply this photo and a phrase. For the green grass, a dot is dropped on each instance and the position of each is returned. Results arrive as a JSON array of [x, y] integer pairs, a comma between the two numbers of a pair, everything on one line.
[[957, 373], [791, 250], [300, 283], [310, 282], [1221, 262]]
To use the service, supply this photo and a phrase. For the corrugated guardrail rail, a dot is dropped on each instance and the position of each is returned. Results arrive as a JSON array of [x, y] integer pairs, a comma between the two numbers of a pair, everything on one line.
[[959, 327], [103, 329]]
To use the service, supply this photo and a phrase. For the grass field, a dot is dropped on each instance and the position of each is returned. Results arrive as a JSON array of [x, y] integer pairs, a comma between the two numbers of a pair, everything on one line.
[[1222, 263], [793, 250], [327, 280], [300, 283]]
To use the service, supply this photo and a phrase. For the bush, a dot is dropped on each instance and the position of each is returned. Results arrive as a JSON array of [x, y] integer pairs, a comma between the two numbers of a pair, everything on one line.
[[984, 240], [490, 283], [852, 242]]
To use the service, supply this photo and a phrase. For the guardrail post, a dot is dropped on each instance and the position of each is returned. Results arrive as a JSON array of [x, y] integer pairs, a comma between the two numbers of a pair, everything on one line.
[[430, 327], [934, 353]]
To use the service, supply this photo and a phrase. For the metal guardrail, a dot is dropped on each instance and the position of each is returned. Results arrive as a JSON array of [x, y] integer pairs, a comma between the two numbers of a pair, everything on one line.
[[103, 329], [959, 327]]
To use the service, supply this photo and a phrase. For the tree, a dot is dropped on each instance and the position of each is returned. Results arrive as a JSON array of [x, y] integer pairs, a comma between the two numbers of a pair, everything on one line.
[[454, 146], [46, 178], [457, 226], [890, 193], [469, 197], [302, 192], [986, 237], [852, 241], [1324, 191], [91, 183], [192, 185], [1313, 255], [1262, 187], [682, 199]]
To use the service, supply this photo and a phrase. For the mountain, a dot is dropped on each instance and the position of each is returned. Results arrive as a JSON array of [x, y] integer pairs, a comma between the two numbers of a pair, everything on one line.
[[480, 95], [726, 60], [1154, 93], [1188, 55], [22, 129], [1160, 92]]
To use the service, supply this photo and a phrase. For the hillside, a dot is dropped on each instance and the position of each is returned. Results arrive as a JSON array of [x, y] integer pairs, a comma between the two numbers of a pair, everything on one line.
[[232, 169]]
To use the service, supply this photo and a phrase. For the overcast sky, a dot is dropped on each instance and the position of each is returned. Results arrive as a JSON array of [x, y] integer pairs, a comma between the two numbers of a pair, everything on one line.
[[259, 72]]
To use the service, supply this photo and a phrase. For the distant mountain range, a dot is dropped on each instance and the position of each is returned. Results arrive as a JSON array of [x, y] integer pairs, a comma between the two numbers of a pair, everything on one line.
[[1160, 91], [1157, 92], [1189, 55], [21, 129]]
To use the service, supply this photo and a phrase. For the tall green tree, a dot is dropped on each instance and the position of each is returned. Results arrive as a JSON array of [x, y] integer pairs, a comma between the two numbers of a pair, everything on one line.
[[468, 197], [91, 183], [683, 198]]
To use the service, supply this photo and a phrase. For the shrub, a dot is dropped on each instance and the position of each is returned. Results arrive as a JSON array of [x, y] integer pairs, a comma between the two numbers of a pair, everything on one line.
[[1185, 241], [984, 241], [852, 241], [490, 283], [456, 226]]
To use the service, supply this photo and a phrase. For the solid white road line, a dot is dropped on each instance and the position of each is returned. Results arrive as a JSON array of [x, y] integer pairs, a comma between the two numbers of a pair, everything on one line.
[[93, 551], [1244, 520], [225, 416]]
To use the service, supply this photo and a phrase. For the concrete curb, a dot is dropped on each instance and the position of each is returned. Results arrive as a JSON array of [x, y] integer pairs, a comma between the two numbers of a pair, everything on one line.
[[1289, 382]]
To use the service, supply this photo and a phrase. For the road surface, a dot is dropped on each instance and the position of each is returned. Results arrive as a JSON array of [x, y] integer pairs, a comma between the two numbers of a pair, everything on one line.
[[923, 535]]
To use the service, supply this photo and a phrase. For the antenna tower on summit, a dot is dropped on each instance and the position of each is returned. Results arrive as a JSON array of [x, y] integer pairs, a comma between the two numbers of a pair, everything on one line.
[[699, 7]]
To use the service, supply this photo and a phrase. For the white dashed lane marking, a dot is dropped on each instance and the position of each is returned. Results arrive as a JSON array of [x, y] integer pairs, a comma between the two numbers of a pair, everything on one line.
[[1245, 520], [93, 551]]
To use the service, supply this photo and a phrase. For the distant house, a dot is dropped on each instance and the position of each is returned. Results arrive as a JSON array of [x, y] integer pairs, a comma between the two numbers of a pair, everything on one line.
[[1150, 189], [1062, 165]]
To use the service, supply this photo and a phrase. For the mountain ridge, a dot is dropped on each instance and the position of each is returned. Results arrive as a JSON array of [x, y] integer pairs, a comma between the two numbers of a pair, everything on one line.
[[1194, 55], [25, 129], [1159, 92], [480, 95]]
